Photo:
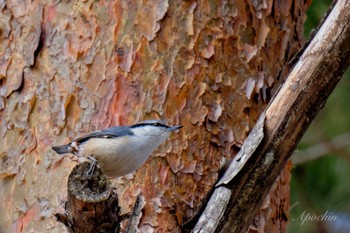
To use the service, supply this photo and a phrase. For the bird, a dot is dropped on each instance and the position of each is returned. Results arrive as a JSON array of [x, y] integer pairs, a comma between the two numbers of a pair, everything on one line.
[[120, 150]]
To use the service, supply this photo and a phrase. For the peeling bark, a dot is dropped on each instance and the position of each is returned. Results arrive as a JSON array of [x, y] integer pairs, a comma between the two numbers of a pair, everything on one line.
[[70, 67], [303, 94]]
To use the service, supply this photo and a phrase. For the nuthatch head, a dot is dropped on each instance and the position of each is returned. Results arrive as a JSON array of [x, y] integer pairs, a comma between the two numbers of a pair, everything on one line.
[[120, 150]]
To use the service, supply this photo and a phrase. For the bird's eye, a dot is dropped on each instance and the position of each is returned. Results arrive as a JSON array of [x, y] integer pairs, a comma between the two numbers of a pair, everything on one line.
[[159, 124]]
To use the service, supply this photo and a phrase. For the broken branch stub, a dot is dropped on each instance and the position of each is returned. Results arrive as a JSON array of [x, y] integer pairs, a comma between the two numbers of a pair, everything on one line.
[[92, 204]]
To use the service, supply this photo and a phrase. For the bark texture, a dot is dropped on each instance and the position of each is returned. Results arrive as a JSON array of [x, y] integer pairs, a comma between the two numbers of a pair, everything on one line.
[[69, 67], [305, 91], [92, 204]]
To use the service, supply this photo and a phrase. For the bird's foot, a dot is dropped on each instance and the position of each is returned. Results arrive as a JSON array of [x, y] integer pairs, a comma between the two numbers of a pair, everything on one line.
[[93, 165]]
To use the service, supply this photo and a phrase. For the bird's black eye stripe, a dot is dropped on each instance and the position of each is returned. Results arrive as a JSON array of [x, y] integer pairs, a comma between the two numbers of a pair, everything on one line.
[[159, 124], [154, 124]]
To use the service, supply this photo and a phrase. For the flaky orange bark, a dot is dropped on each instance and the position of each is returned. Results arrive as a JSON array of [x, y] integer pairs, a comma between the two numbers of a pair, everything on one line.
[[69, 67]]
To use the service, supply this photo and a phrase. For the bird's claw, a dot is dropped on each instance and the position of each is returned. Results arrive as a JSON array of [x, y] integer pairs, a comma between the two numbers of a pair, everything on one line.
[[93, 165]]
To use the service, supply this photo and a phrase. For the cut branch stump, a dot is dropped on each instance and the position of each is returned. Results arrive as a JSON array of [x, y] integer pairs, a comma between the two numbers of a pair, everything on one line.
[[92, 204]]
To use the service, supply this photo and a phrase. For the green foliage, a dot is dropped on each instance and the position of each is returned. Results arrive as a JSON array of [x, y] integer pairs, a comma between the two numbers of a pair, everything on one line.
[[314, 14]]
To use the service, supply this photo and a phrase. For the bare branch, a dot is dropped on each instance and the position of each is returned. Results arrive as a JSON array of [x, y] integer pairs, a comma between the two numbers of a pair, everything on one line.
[[217, 205], [322, 149], [289, 114]]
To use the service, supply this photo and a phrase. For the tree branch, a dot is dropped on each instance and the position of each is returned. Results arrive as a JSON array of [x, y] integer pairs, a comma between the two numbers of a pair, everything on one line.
[[322, 149], [92, 204], [289, 114]]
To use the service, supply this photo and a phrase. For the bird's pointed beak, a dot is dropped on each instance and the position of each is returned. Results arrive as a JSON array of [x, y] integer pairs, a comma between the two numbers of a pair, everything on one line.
[[176, 127]]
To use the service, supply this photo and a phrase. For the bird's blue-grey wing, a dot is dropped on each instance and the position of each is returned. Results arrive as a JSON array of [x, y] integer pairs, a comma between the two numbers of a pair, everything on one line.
[[113, 132]]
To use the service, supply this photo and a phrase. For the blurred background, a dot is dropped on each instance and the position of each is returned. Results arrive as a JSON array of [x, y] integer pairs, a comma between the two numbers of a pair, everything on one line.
[[320, 186]]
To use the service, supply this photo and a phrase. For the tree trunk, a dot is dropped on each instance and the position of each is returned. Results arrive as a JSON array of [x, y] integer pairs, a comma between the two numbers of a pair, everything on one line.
[[69, 67], [266, 151]]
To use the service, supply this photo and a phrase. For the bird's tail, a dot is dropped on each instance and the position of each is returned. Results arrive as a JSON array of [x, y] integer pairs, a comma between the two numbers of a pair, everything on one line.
[[64, 149]]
